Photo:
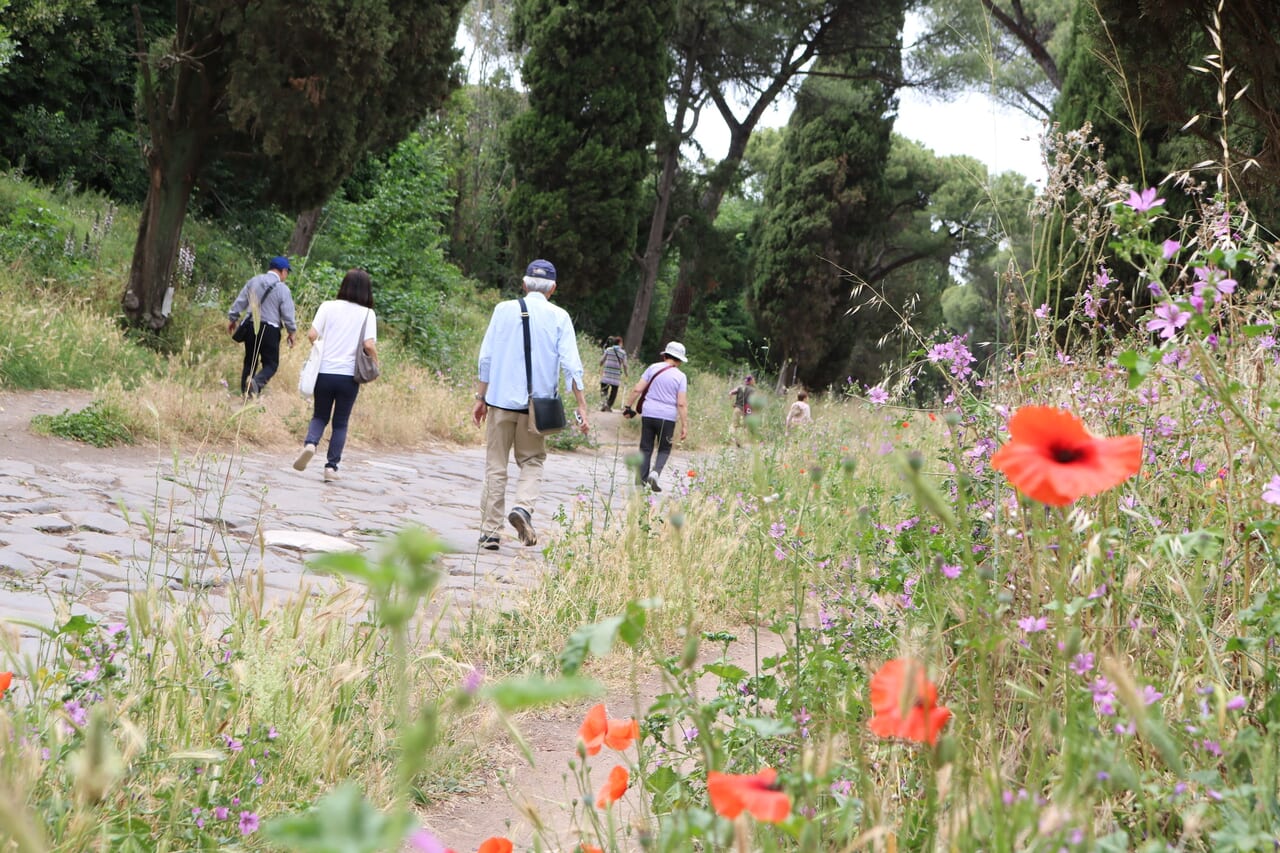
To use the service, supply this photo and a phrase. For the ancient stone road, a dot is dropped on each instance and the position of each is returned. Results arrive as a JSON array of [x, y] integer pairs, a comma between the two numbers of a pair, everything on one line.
[[85, 527]]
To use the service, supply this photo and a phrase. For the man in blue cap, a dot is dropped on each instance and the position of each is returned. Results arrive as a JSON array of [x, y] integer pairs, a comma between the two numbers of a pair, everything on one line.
[[502, 398], [269, 298]]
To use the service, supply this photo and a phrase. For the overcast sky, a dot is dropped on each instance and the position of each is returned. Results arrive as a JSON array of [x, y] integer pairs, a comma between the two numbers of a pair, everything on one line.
[[1003, 138]]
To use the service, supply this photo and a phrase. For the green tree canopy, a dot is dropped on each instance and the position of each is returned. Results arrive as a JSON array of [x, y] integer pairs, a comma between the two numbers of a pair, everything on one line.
[[595, 71], [827, 204], [297, 93], [66, 95], [1011, 49]]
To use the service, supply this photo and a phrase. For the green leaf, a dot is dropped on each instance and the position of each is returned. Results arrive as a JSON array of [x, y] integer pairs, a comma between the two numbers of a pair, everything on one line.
[[350, 565], [77, 626], [1137, 365], [726, 671], [342, 821], [518, 694], [632, 626], [768, 726], [1255, 330], [594, 639], [661, 780]]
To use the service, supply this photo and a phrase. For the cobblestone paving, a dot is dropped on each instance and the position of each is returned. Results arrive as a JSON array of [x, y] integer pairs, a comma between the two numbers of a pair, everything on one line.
[[82, 531]]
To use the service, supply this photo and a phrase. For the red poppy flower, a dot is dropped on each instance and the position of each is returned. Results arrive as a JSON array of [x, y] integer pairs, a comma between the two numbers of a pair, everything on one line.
[[1052, 458], [905, 703], [614, 788], [598, 730], [757, 793], [497, 844], [620, 734], [692, 474], [587, 848], [6, 679], [932, 416], [906, 424]]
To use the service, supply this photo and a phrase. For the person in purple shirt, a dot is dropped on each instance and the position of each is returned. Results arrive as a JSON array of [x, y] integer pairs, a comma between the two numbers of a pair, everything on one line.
[[664, 388]]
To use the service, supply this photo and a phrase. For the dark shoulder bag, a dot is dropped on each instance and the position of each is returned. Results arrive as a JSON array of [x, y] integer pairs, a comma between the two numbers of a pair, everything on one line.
[[546, 414]]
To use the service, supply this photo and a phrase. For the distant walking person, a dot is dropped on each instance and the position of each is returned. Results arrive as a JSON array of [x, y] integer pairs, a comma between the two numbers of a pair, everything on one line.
[[269, 295], [502, 397], [613, 366], [664, 389], [742, 397], [339, 324], [799, 413]]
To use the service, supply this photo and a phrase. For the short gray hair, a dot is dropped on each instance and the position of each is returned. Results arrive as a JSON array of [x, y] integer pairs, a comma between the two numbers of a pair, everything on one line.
[[538, 285]]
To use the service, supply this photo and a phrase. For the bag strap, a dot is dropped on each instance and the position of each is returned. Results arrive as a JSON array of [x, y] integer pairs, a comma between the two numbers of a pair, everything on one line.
[[364, 324], [528, 358], [649, 384], [262, 300]]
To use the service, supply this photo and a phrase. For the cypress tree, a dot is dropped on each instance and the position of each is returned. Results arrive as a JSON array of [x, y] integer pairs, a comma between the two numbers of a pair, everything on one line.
[[596, 73], [827, 203]]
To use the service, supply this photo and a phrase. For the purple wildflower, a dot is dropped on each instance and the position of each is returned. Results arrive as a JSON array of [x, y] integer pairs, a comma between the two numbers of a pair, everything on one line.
[[1144, 201]]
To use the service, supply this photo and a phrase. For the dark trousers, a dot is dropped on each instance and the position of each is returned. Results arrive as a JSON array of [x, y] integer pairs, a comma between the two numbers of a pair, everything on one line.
[[265, 347], [335, 397], [651, 429], [608, 393]]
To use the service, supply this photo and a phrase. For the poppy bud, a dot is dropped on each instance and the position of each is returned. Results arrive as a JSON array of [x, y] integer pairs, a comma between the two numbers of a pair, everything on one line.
[[690, 656]]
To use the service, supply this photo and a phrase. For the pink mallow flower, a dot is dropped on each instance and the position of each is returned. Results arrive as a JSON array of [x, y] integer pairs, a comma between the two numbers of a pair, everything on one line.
[[1169, 318], [1144, 201], [1271, 491]]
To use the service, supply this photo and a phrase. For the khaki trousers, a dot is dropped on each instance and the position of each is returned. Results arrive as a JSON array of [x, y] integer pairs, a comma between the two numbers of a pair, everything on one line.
[[506, 431]]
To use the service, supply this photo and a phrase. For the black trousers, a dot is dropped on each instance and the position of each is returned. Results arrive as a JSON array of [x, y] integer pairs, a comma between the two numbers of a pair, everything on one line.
[[608, 393], [264, 348], [651, 430]]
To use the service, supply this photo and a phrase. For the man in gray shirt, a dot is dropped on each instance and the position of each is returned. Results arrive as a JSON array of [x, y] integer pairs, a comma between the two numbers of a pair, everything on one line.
[[269, 297]]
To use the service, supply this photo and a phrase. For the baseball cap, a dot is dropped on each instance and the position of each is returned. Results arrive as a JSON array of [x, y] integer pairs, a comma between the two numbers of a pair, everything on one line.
[[541, 269], [279, 262]]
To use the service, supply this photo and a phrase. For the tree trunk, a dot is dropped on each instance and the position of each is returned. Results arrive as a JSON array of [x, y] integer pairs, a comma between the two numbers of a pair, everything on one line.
[[690, 278], [160, 231], [657, 241], [304, 231]]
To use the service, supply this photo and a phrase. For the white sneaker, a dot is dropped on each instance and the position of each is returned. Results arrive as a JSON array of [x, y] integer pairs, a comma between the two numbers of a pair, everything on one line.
[[308, 450], [653, 481], [330, 474]]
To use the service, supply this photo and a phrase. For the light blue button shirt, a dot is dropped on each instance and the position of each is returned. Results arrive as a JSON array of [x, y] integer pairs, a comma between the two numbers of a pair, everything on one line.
[[552, 341]]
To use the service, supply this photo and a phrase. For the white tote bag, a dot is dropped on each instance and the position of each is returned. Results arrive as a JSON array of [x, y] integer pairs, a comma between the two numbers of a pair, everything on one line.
[[310, 370]]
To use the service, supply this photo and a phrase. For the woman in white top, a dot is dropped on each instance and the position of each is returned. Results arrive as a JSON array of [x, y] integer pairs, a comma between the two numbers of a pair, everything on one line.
[[666, 401], [799, 413], [339, 322]]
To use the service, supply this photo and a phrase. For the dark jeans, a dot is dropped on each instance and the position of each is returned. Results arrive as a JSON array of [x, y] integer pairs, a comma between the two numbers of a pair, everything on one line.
[[609, 393], [265, 348], [335, 396], [650, 429]]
